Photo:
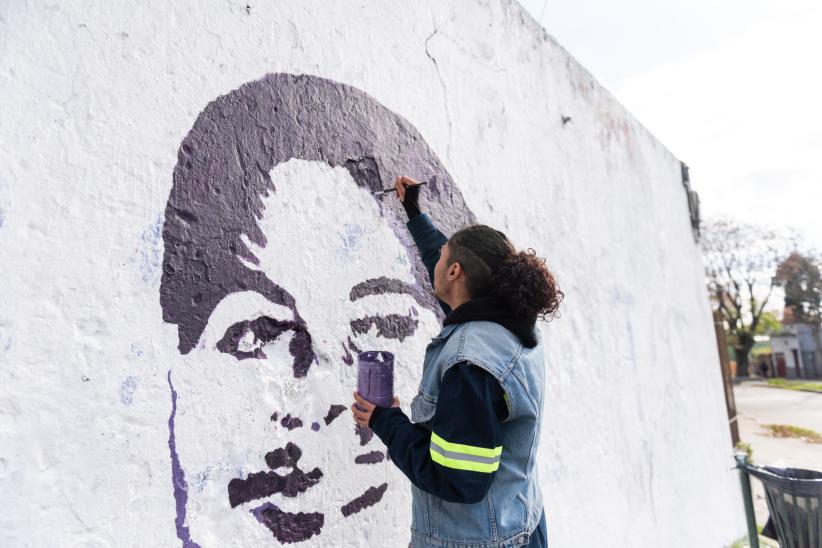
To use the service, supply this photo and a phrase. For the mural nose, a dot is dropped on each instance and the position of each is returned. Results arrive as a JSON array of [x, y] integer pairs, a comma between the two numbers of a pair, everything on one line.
[[286, 456]]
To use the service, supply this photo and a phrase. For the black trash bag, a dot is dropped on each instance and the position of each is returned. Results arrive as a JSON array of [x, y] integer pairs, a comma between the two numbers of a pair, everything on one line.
[[769, 530]]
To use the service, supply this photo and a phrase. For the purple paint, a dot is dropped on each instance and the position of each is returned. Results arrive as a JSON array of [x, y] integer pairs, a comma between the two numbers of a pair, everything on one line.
[[151, 251], [291, 422], [333, 412], [382, 286], [265, 330], [315, 426], [347, 359], [178, 478], [391, 326], [372, 496], [353, 346], [274, 417], [369, 458], [219, 184], [284, 456], [364, 433], [286, 526], [375, 377], [221, 178], [264, 484], [127, 390]]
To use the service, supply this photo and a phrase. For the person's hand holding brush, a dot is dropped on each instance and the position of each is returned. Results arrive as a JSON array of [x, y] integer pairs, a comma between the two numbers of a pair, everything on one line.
[[408, 191]]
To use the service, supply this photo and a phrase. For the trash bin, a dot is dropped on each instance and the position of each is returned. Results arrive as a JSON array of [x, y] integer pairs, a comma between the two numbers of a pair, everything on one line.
[[794, 498]]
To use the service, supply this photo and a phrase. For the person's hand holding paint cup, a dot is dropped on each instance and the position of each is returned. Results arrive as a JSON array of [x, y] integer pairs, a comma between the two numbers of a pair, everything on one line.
[[362, 409], [375, 384]]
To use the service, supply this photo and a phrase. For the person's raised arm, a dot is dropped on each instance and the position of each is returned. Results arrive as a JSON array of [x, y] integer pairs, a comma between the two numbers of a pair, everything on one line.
[[427, 237]]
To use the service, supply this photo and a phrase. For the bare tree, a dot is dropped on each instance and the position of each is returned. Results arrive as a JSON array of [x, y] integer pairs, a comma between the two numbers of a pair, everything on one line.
[[799, 275], [740, 265]]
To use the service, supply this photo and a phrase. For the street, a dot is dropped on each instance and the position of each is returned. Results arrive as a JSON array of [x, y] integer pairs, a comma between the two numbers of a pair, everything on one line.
[[757, 405]]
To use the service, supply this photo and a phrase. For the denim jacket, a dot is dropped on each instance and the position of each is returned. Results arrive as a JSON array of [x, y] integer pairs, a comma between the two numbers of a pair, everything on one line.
[[512, 507]]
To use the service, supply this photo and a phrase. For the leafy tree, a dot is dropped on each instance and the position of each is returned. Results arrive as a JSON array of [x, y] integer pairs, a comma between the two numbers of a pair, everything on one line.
[[740, 262], [768, 323], [799, 275]]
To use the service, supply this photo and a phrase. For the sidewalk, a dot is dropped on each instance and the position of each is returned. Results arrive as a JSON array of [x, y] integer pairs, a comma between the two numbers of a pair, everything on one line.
[[758, 404]]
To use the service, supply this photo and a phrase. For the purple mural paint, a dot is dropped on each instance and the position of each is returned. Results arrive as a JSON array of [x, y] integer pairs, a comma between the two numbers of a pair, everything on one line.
[[222, 176], [220, 180], [390, 326], [178, 478], [375, 377], [347, 359], [333, 412], [382, 286], [286, 526], [372, 496], [315, 426], [265, 330], [369, 458], [284, 456], [291, 422], [353, 346], [364, 433], [274, 417], [264, 484]]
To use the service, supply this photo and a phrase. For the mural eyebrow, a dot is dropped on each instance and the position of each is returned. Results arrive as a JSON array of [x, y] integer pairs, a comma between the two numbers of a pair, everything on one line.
[[379, 286], [392, 326]]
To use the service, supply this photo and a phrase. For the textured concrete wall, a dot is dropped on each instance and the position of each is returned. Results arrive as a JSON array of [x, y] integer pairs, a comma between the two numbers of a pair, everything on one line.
[[190, 255]]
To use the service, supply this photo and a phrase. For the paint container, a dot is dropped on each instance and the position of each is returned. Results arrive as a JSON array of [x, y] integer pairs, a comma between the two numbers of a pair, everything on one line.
[[375, 377]]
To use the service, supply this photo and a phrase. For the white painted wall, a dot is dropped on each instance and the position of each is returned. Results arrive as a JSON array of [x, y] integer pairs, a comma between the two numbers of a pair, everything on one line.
[[94, 103]]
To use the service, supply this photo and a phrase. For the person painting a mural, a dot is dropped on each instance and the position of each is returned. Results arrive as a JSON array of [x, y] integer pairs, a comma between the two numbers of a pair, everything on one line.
[[470, 452], [272, 305]]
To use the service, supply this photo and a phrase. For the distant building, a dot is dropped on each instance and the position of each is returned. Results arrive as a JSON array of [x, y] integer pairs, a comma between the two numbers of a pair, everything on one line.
[[793, 352]]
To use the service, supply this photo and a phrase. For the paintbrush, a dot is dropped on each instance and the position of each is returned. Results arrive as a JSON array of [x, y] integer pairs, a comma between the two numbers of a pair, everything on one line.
[[394, 189]]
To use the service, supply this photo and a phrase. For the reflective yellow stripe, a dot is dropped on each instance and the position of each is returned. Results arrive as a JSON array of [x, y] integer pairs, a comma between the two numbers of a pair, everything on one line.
[[463, 464], [468, 449]]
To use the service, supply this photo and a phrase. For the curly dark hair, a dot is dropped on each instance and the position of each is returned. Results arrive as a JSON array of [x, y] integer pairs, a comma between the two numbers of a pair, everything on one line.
[[493, 267]]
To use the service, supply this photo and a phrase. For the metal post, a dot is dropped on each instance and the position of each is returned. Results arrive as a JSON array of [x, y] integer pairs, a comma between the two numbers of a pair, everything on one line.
[[727, 382], [747, 498]]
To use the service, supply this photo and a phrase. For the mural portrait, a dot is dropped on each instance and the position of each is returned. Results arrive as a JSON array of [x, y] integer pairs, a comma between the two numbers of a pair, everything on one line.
[[280, 265]]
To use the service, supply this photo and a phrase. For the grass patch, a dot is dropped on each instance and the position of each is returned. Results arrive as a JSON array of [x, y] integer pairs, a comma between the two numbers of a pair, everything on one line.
[[741, 543], [789, 431], [796, 385], [742, 447]]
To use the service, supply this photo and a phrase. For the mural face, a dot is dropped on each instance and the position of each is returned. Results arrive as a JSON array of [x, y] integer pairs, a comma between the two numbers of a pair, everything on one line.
[[280, 266], [276, 470]]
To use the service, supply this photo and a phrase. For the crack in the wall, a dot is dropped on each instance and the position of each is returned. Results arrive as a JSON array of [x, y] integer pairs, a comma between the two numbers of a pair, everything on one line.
[[444, 94], [478, 60]]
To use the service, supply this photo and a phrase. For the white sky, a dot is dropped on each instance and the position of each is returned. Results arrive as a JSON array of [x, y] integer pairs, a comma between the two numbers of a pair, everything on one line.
[[732, 88]]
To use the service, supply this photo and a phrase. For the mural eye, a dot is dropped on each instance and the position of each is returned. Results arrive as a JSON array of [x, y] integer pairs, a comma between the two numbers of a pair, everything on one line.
[[391, 326], [246, 339]]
